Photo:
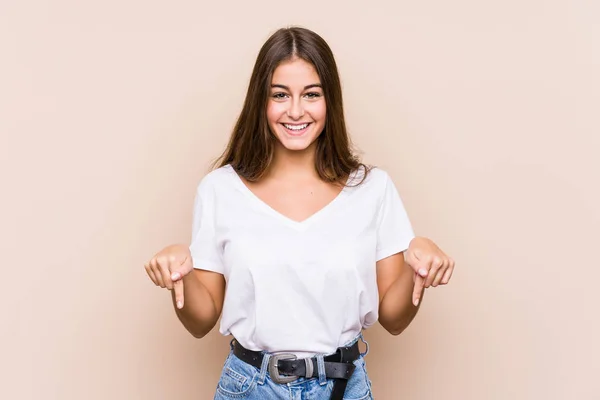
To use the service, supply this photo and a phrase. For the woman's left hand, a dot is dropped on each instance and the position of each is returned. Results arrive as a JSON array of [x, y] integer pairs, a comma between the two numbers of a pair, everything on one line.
[[432, 265]]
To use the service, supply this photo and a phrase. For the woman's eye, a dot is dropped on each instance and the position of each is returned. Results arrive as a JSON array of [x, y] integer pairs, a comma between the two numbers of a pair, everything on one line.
[[279, 96], [313, 95]]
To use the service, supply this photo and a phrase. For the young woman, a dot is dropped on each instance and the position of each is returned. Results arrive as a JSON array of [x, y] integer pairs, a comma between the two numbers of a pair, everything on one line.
[[299, 244]]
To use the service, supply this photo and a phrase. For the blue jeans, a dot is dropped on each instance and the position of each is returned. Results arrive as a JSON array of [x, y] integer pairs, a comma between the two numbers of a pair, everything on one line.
[[244, 381]]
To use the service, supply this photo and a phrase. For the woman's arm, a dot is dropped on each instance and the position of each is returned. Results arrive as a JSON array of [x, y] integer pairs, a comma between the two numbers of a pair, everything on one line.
[[402, 284], [197, 295], [203, 301], [396, 282]]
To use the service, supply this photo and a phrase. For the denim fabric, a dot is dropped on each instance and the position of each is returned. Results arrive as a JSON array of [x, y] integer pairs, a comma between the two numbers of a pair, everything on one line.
[[243, 381]]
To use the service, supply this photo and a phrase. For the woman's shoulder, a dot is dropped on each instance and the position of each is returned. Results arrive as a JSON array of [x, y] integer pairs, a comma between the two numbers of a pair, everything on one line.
[[371, 177], [216, 178]]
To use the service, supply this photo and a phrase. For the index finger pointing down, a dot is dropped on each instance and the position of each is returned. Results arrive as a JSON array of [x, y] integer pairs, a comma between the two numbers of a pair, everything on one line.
[[178, 290]]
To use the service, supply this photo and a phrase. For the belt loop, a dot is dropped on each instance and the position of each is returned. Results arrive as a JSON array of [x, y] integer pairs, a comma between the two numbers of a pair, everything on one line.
[[321, 368], [366, 343], [264, 368]]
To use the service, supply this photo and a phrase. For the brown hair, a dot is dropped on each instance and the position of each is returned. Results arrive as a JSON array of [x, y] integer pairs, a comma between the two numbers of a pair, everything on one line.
[[251, 145]]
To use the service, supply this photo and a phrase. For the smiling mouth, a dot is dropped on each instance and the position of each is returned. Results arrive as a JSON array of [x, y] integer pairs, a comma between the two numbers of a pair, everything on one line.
[[296, 127]]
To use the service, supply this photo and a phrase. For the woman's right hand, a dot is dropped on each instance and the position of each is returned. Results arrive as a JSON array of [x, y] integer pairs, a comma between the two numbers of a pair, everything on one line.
[[168, 267]]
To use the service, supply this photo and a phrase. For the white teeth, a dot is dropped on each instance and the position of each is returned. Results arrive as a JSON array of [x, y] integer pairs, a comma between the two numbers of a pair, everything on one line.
[[295, 127]]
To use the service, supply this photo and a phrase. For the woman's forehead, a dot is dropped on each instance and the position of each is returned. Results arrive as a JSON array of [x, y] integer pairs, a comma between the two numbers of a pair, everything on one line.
[[297, 72]]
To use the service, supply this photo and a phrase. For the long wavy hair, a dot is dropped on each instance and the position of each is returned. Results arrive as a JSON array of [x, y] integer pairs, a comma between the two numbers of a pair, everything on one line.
[[251, 146]]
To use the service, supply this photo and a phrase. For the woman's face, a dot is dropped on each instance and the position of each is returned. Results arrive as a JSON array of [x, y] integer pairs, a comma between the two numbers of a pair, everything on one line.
[[296, 106]]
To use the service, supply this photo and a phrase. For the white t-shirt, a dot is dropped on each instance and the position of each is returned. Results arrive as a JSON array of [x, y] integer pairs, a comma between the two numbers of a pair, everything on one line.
[[301, 287]]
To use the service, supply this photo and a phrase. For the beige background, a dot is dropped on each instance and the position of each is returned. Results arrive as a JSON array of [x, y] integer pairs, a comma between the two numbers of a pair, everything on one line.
[[485, 114]]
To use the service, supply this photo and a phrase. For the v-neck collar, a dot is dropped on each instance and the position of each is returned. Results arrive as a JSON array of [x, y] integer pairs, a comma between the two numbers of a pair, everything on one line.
[[299, 225]]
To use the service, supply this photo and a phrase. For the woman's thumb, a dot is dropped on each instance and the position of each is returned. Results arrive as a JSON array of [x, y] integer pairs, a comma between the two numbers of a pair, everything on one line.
[[182, 270]]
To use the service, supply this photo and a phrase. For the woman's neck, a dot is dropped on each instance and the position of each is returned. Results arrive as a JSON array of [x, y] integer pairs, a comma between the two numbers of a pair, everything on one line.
[[293, 164]]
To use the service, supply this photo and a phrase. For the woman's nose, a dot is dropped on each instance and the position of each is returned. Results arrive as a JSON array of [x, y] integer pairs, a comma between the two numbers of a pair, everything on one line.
[[295, 111]]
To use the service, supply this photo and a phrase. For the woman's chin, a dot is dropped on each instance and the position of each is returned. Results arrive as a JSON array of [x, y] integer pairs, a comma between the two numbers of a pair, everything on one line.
[[296, 145]]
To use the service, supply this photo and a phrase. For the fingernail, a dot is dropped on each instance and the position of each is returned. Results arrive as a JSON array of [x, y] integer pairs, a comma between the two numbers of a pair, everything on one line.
[[423, 272], [179, 304], [175, 276], [416, 302]]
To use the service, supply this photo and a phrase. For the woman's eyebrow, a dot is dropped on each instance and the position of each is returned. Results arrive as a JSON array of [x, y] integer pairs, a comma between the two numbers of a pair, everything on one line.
[[277, 85]]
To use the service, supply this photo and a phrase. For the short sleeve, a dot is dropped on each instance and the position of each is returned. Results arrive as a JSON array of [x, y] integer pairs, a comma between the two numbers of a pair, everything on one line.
[[394, 230], [204, 249]]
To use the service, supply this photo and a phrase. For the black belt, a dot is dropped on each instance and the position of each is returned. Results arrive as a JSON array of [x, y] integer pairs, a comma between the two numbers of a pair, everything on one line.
[[285, 367]]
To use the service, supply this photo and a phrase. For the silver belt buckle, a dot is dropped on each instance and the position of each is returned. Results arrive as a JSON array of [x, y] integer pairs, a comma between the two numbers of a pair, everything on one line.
[[274, 368]]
